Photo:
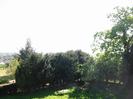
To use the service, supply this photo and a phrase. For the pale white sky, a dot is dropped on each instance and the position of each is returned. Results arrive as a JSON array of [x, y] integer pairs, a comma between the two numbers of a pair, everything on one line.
[[53, 25]]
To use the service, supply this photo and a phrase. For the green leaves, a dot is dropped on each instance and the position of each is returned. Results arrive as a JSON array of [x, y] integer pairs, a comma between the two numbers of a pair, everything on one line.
[[115, 43]]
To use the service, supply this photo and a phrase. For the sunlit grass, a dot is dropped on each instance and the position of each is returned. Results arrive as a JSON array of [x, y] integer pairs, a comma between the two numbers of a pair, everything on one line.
[[3, 72], [5, 75]]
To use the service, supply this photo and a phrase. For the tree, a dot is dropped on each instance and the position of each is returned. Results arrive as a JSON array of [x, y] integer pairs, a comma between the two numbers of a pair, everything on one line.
[[63, 70], [26, 52], [78, 58], [89, 70], [108, 67], [28, 61], [32, 72], [119, 40], [123, 31]]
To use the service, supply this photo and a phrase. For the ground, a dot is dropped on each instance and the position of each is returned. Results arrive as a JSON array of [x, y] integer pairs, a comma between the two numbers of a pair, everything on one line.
[[6, 77], [69, 93], [97, 92]]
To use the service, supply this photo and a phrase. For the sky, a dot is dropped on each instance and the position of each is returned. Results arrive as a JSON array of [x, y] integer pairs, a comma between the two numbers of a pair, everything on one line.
[[54, 25]]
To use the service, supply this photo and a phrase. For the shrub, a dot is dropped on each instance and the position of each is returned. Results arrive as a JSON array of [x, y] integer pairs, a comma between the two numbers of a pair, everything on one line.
[[31, 72]]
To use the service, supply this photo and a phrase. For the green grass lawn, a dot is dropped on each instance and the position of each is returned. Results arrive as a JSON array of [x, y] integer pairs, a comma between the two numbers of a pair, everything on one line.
[[70, 93]]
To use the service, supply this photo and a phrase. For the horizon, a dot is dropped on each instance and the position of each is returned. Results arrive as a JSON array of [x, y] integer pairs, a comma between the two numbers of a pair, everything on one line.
[[54, 26]]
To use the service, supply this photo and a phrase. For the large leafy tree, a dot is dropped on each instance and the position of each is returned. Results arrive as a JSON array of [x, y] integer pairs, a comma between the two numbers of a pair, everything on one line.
[[118, 41], [122, 31], [109, 56]]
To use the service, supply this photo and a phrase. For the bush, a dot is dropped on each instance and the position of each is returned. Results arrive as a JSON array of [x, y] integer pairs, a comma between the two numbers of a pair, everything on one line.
[[31, 72], [63, 70], [36, 70], [102, 69]]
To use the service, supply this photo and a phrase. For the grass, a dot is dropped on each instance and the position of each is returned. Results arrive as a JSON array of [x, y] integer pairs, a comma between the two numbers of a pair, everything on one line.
[[3, 72], [6, 79], [70, 93], [5, 76]]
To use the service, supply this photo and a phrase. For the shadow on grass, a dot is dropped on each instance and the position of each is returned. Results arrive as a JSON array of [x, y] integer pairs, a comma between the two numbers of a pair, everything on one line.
[[91, 94], [72, 93], [34, 95]]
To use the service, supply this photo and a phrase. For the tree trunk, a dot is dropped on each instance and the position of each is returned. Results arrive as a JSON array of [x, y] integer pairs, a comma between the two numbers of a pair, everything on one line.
[[128, 62], [130, 87]]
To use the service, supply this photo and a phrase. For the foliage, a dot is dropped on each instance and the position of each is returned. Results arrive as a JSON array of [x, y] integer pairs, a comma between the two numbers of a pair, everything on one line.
[[108, 67], [35, 70], [89, 70], [63, 69], [25, 53], [78, 58], [29, 71], [104, 67], [116, 43]]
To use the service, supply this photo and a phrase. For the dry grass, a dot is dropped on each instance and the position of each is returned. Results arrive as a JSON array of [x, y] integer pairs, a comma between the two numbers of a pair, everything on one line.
[[3, 72]]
